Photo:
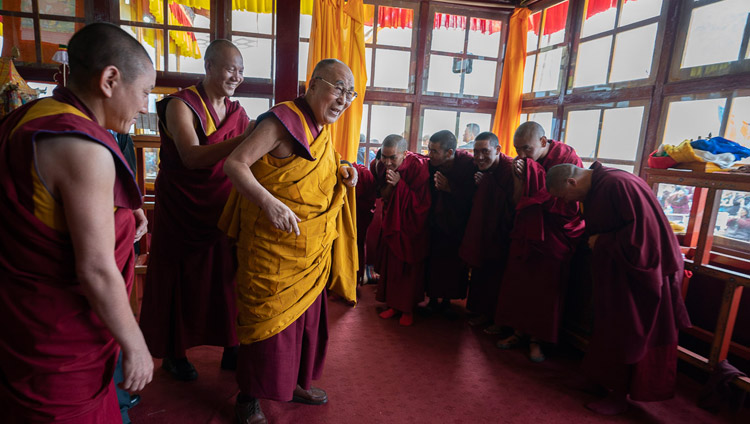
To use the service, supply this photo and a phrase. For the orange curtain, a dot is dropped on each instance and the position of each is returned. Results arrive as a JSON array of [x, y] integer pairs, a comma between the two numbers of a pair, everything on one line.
[[338, 32], [508, 112]]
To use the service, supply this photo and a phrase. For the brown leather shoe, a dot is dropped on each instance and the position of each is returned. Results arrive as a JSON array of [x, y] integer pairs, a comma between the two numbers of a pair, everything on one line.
[[249, 413], [314, 396]]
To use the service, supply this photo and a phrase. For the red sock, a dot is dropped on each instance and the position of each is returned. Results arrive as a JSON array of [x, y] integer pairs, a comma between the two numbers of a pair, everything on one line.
[[388, 313], [406, 319]]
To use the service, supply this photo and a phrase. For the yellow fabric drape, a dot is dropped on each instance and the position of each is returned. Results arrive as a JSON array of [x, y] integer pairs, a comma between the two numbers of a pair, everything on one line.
[[200, 4], [338, 32], [266, 6], [181, 42], [281, 274], [508, 112]]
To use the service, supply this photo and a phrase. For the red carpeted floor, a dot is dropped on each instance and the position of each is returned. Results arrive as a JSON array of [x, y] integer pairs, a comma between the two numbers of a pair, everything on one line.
[[437, 371]]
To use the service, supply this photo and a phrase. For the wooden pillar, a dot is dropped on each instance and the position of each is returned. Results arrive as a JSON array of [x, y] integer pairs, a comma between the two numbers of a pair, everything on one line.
[[286, 85]]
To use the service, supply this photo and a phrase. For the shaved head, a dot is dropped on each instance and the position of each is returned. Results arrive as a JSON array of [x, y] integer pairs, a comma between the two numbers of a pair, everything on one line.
[[99, 45], [490, 137], [324, 66], [395, 140], [216, 48], [558, 175], [529, 130]]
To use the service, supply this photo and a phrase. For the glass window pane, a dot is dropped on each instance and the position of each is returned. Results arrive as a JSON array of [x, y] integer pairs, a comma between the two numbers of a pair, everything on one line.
[[137, 11], [436, 120], [466, 118], [715, 33], [305, 26], [369, 11], [181, 15], [441, 77], [368, 64], [592, 62], [449, 33], [304, 48], [257, 53], [51, 7], [152, 40], [186, 50], [254, 106], [481, 81], [43, 89], [485, 43], [692, 119], [365, 117], [544, 119], [599, 17], [528, 73], [387, 120], [626, 168], [18, 6], [395, 26], [151, 163], [555, 18], [634, 53], [738, 126], [259, 23], [634, 11], [548, 70], [532, 37], [679, 197], [733, 219], [582, 130], [621, 133], [52, 32], [392, 68]]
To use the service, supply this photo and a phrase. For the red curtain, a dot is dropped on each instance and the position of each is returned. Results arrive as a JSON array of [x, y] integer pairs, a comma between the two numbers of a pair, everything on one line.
[[486, 26], [395, 17]]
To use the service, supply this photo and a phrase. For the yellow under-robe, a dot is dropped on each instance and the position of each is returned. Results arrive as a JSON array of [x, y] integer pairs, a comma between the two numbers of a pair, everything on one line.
[[281, 274]]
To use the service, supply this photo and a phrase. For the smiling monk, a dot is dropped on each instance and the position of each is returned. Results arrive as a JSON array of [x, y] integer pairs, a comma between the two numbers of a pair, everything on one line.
[[189, 296]]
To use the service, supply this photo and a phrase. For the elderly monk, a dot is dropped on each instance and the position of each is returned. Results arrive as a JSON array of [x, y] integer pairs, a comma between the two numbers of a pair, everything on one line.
[[405, 191], [189, 295], [487, 236], [292, 212], [452, 188], [66, 243], [637, 270], [545, 232]]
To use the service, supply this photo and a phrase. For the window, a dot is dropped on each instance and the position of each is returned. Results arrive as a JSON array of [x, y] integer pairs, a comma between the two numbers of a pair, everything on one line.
[[617, 43], [254, 33], [465, 55], [609, 134], [389, 42], [54, 21], [434, 120], [676, 202], [171, 48], [546, 48], [254, 106], [713, 39], [733, 219], [380, 120]]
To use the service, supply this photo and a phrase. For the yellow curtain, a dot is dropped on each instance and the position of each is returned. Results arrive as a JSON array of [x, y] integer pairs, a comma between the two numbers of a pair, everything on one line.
[[338, 32], [199, 4], [263, 6], [181, 42], [508, 112]]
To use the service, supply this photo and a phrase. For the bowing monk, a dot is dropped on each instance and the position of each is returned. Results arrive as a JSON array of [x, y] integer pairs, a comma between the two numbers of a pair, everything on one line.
[[452, 187], [405, 192], [544, 235], [366, 196], [291, 211], [189, 295], [485, 243], [66, 243], [637, 270]]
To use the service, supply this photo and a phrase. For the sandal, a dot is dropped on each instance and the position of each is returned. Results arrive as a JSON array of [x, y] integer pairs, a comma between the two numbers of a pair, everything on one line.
[[509, 342]]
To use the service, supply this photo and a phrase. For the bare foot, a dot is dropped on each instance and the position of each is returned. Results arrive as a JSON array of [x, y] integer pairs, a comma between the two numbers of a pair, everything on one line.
[[614, 404]]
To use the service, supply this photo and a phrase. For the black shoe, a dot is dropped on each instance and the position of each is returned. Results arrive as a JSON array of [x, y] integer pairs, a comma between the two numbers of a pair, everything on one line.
[[229, 358], [249, 413], [134, 400], [181, 369]]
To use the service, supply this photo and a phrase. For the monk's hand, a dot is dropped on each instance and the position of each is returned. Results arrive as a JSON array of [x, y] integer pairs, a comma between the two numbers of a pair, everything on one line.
[[519, 167], [137, 368], [478, 177], [282, 217], [392, 177], [441, 182], [141, 224], [349, 175], [592, 241]]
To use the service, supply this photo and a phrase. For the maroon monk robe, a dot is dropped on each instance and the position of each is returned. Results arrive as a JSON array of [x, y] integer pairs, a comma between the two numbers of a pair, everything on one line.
[[189, 297], [56, 357], [487, 236], [447, 275], [637, 270], [404, 237], [372, 238], [366, 195], [543, 239], [272, 368]]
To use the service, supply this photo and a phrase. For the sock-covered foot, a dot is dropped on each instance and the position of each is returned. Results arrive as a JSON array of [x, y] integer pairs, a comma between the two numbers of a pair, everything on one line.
[[406, 319], [614, 404], [535, 352], [388, 313]]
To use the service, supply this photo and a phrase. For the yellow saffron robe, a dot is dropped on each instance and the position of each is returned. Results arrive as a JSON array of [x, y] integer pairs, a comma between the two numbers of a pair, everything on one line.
[[281, 274]]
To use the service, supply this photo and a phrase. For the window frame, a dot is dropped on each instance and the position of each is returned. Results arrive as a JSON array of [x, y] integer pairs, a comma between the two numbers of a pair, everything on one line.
[[564, 58]]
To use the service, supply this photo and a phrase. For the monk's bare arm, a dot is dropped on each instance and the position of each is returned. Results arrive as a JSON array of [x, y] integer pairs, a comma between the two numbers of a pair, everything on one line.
[[180, 124], [81, 174], [269, 137]]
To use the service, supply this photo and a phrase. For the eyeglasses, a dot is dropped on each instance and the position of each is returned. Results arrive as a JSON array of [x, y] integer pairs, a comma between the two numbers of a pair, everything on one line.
[[340, 91]]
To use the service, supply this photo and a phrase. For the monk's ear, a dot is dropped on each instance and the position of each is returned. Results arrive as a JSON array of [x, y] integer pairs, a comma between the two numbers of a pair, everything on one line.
[[543, 139], [572, 182], [109, 79], [499, 149]]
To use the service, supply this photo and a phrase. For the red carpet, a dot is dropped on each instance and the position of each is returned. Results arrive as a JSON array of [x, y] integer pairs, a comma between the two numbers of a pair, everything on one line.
[[437, 371]]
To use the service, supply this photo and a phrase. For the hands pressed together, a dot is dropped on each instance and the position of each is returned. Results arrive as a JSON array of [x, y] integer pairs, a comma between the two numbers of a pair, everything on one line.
[[441, 182]]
